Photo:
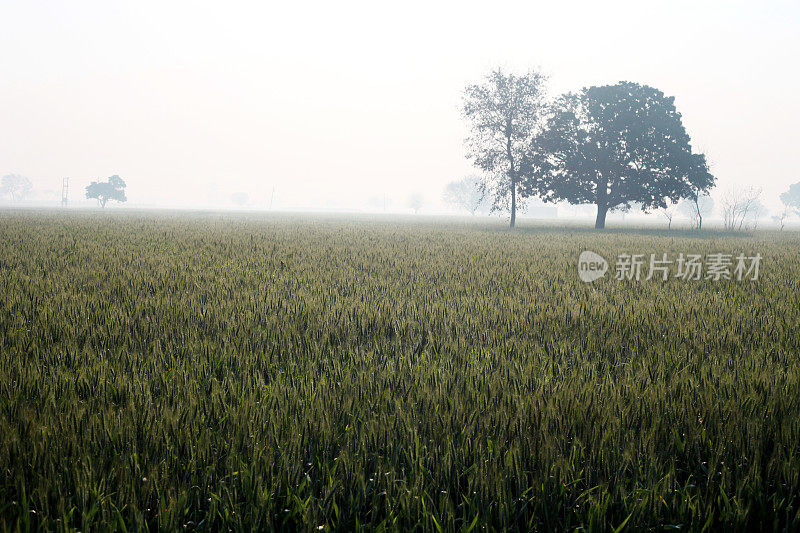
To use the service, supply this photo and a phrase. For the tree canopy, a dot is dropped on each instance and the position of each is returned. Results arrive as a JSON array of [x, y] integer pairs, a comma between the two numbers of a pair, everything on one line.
[[614, 146], [103, 191]]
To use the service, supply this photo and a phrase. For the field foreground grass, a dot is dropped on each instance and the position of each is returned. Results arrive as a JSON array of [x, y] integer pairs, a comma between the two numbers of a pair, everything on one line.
[[237, 372]]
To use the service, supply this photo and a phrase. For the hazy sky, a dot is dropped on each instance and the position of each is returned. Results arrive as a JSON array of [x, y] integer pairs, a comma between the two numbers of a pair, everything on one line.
[[334, 103]]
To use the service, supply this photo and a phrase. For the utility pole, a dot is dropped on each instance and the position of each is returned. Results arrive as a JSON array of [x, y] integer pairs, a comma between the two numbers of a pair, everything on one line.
[[271, 198], [64, 191]]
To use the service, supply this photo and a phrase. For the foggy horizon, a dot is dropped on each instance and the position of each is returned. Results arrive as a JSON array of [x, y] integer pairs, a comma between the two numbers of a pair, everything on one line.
[[337, 108]]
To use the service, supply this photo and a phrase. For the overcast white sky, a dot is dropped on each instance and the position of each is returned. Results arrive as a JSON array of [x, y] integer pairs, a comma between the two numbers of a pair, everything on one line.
[[334, 103]]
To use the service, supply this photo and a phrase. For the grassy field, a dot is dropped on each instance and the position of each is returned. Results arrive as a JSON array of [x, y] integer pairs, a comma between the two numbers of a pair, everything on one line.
[[239, 372]]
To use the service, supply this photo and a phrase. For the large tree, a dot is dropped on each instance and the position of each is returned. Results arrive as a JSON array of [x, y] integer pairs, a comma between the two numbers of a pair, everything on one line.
[[504, 113], [103, 191], [16, 186], [615, 146]]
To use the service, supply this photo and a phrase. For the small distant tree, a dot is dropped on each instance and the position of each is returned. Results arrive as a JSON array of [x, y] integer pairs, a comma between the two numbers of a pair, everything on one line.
[[103, 191], [668, 212], [624, 209], [697, 207], [504, 113], [16, 186], [468, 194], [739, 206], [381, 202], [755, 215], [791, 198], [239, 198], [415, 202], [782, 216]]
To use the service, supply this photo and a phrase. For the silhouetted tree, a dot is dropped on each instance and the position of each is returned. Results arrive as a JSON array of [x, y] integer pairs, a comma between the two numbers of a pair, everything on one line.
[[103, 191], [468, 194], [613, 146], [16, 186], [504, 112]]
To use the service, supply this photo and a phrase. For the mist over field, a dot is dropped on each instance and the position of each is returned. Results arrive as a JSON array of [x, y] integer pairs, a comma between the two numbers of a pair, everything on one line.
[[338, 107], [353, 266]]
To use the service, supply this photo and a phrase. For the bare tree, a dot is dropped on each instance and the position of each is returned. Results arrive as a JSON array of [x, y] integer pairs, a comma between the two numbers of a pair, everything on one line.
[[755, 215], [696, 207], [668, 213], [505, 112], [468, 194], [740, 206], [782, 216]]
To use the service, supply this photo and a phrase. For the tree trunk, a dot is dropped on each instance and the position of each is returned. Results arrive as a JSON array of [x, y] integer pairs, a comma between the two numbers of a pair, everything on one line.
[[699, 221], [512, 174], [602, 203], [600, 221], [513, 201]]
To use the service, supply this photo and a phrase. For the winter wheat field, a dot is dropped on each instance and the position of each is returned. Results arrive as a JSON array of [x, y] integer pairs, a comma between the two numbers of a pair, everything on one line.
[[221, 371]]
